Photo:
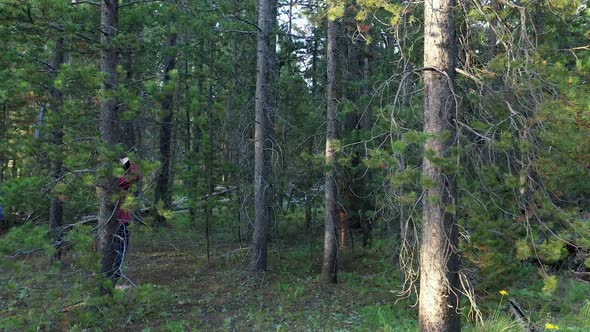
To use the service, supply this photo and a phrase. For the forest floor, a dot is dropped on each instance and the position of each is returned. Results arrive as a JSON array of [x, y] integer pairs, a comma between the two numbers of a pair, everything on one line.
[[224, 295], [177, 290]]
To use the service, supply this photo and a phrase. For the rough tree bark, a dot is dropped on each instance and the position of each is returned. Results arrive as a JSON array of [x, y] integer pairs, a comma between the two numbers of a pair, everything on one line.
[[163, 190], [110, 135], [261, 135], [439, 259], [56, 162], [330, 261]]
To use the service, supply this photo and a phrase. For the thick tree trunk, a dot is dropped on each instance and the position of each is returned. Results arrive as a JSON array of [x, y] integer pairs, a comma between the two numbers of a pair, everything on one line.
[[110, 135], [330, 261], [354, 178], [439, 259], [261, 135], [163, 190], [56, 163]]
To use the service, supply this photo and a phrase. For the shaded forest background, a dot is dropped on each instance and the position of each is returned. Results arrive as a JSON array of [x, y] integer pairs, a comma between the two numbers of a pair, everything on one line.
[[183, 93]]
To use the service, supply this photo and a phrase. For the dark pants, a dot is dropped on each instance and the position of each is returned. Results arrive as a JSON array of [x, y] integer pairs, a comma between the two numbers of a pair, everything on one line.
[[121, 246]]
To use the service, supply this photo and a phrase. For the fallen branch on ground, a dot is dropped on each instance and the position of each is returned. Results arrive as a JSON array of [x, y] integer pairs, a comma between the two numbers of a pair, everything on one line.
[[582, 276], [73, 306], [521, 317]]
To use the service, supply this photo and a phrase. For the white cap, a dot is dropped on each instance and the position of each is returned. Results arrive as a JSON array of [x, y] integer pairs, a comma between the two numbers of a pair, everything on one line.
[[124, 160]]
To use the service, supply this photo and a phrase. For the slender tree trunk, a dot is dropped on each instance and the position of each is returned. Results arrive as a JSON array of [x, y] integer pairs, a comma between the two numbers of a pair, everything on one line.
[[56, 162], [330, 261], [14, 170], [40, 122], [261, 135], [196, 136], [129, 140], [275, 176], [39, 135], [439, 258], [3, 159], [164, 179], [188, 145], [492, 38], [209, 153], [367, 116], [308, 180], [407, 84], [314, 57], [3, 130], [110, 134]]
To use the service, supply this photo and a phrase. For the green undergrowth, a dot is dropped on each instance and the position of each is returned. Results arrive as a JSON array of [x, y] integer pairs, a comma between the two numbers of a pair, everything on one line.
[[177, 289]]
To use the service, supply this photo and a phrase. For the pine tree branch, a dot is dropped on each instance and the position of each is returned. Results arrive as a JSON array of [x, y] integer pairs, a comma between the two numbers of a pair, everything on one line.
[[245, 21], [137, 2], [26, 252], [61, 29], [85, 1]]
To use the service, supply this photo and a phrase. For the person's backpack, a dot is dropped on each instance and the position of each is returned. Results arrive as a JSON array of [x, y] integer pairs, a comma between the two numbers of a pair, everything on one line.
[[1, 214]]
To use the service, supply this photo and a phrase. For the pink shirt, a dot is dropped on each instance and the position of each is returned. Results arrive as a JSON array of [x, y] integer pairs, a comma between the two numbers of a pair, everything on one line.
[[125, 182]]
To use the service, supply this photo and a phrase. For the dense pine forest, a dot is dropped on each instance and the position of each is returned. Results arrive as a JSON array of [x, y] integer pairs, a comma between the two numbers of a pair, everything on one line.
[[294, 165]]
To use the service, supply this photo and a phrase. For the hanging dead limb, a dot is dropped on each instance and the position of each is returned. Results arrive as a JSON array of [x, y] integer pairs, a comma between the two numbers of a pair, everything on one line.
[[62, 29], [177, 206], [48, 187], [468, 290], [472, 130], [472, 77], [27, 252]]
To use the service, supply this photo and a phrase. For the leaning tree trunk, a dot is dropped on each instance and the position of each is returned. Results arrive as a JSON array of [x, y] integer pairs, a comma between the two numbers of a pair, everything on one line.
[[439, 259], [110, 136], [163, 190], [330, 262], [261, 135], [56, 161]]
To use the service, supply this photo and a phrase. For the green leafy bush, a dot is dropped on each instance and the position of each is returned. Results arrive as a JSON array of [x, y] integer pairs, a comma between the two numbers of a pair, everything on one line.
[[550, 284], [523, 250], [552, 251]]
